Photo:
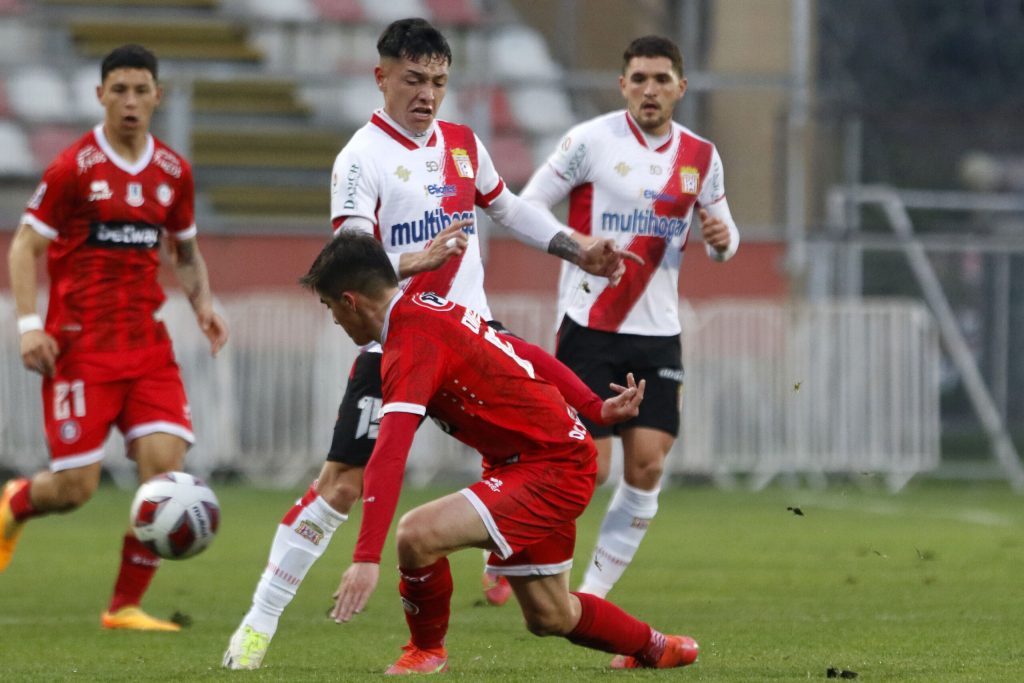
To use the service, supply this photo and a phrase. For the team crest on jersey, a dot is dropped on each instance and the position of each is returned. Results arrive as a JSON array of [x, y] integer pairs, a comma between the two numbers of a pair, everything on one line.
[[133, 194], [689, 179], [463, 165], [37, 197], [434, 302], [99, 190], [88, 157], [164, 194], [170, 164]]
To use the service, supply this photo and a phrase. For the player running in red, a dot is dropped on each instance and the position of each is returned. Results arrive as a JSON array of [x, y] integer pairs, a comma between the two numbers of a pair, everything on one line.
[[443, 360], [99, 215]]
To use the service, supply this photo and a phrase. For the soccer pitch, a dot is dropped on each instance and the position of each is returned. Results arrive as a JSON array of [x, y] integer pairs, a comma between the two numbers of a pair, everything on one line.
[[921, 586]]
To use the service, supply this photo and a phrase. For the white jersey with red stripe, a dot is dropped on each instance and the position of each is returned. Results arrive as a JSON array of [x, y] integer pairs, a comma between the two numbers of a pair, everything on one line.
[[643, 198], [411, 190]]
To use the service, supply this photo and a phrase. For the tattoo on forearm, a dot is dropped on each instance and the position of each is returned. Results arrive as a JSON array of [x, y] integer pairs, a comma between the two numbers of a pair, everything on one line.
[[563, 246]]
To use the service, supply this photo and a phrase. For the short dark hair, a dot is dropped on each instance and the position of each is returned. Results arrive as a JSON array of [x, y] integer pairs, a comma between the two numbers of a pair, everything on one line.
[[351, 261], [129, 56], [654, 46], [414, 39]]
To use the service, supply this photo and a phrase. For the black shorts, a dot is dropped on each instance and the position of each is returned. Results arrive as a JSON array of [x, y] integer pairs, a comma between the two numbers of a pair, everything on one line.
[[355, 431], [599, 358]]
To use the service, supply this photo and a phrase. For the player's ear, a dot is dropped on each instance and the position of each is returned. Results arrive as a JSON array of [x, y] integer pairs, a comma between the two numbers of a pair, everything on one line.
[[378, 76]]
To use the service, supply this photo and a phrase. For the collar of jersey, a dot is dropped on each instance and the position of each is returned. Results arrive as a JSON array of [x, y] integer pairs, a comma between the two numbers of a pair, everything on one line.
[[387, 316], [395, 131], [120, 161], [642, 138]]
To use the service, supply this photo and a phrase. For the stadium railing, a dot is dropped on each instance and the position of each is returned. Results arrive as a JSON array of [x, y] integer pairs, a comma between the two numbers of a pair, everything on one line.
[[772, 389]]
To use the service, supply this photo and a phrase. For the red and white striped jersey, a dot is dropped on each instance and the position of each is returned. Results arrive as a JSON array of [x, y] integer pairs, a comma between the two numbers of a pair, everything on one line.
[[643, 198], [411, 192], [105, 216]]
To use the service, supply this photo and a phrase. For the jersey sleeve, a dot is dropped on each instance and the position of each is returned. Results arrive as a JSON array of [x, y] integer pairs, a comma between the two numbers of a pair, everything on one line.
[[181, 221], [712, 198], [354, 187], [571, 158], [488, 183], [53, 201], [382, 483]]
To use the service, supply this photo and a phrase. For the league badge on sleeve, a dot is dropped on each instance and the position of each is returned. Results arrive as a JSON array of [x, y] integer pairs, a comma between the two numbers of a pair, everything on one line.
[[463, 165]]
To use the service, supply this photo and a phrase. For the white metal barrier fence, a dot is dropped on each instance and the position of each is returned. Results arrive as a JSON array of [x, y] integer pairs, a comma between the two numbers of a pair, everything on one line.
[[771, 389]]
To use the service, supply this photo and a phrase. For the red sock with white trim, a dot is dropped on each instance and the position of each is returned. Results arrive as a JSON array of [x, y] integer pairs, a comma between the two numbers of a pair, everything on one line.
[[603, 626], [427, 596], [138, 565]]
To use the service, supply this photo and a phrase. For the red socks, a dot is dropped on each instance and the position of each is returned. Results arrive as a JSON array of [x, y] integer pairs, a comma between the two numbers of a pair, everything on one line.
[[138, 565], [426, 596], [603, 626], [21, 504]]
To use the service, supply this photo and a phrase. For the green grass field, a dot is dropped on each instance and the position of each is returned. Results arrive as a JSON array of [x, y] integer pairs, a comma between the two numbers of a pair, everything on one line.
[[921, 586]]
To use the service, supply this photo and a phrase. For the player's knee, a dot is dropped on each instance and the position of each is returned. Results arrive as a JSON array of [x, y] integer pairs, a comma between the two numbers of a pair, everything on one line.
[[75, 492], [547, 623], [413, 538], [645, 475], [340, 493]]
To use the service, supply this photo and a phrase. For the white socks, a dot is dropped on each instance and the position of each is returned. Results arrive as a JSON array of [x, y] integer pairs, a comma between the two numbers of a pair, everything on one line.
[[296, 547], [624, 526]]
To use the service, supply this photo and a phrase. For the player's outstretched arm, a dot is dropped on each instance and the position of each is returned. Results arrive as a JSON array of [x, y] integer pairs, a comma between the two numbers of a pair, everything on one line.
[[625, 405], [382, 484], [600, 257], [38, 349], [190, 268]]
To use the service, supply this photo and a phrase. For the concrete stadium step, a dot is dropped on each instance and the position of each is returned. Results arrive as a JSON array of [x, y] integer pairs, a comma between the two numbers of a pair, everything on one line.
[[134, 4], [282, 148], [268, 201], [248, 97], [201, 39]]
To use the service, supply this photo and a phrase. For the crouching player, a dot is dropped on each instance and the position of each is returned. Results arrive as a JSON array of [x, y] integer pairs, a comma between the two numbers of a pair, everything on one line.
[[442, 360]]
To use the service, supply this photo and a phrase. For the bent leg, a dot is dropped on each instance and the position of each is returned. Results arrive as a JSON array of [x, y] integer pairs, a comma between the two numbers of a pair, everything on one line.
[[46, 492]]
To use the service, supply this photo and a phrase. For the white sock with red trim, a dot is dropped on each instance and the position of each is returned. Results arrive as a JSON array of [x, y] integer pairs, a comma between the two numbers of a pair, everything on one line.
[[297, 545], [629, 514]]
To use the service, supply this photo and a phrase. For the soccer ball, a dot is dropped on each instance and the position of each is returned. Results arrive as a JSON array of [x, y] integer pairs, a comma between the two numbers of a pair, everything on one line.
[[175, 515]]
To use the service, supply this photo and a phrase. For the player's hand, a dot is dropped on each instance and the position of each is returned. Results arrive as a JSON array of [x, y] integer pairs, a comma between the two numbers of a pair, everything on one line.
[[39, 352], [356, 587], [626, 404], [603, 257], [714, 231], [450, 242], [215, 328]]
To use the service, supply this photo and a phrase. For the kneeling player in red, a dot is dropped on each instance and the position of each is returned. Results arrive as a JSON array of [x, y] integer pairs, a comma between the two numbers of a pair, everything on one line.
[[444, 361]]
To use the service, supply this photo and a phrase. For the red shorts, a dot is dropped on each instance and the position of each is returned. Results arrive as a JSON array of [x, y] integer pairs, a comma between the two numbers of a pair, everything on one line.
[[530, 510], [140, 391]]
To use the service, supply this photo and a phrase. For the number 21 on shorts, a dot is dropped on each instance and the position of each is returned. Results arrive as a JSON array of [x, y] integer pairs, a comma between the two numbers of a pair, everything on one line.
[[68, 399]]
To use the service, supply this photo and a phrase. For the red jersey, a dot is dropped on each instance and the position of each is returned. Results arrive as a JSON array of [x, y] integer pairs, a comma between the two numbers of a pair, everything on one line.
[[444, 360], [105, 217]]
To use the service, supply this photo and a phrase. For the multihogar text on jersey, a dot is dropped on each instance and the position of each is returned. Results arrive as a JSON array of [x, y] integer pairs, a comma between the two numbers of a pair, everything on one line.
[[643, 223], [426, 228]]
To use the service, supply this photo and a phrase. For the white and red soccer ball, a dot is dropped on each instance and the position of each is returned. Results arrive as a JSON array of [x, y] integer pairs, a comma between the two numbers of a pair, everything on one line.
[[175, 515]]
